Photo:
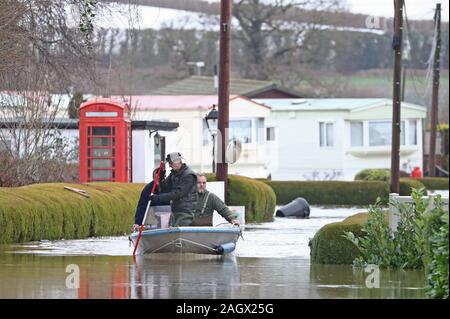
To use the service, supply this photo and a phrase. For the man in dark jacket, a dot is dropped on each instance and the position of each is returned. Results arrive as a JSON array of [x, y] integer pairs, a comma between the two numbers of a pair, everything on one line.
[[143, 201], [180, 188]]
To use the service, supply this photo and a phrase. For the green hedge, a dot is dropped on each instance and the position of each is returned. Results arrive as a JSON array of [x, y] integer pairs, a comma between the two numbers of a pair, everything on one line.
[[357, 193], [407, 184], [435, 183], [330, 192], [328, 246], [48, 211], [257, 197]]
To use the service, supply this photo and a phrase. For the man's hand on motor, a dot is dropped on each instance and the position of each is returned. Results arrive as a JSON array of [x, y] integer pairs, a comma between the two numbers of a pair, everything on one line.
[[135, 228]]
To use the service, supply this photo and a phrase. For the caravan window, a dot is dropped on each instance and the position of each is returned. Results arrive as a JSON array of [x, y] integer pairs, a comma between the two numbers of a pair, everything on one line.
[[380, 133], [326, 132]]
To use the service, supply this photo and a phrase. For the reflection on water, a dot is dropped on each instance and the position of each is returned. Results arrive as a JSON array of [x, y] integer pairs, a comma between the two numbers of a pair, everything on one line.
[[342, 281], [37, 276], [271, 262]]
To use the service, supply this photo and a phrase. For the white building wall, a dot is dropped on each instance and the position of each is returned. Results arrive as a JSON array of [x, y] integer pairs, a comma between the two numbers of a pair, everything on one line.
[[143, 158], [300, 157], [357, 159], [188, 139]]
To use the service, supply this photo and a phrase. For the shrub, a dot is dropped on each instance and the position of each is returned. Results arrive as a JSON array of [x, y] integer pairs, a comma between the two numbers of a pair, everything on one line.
[[385, 248], [257, 197], [408, 184], [328, 245], [435, 183], [48, 211], [383, 175], [330, 192], [420, 241], [437, 274]]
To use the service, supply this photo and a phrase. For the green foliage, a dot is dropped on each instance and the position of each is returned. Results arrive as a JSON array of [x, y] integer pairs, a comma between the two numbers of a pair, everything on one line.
[[407, 185], [437, 270], [435, 183], [48, 211], [258, 198], [374, 175], [399, 249], [420, 240], [330, 192], [328, 246]]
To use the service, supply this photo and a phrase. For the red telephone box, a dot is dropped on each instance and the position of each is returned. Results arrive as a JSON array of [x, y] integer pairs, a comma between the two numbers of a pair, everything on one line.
[[105, 141]]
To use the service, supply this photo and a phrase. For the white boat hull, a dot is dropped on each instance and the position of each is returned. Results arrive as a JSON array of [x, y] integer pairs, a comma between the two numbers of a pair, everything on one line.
[[197, 240]]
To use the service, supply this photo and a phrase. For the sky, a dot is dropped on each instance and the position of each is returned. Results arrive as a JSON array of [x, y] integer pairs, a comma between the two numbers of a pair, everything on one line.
[[415, 9], [156, 18]]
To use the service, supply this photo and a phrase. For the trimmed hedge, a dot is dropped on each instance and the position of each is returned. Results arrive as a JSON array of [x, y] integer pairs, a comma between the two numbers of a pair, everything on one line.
[[329, 246], [330, 192], [257, 197], [357, 193], [48, 211], [435, 183], [406, 185]]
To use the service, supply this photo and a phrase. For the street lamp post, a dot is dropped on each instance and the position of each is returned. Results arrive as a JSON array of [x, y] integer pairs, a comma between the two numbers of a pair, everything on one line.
[[211, 122]]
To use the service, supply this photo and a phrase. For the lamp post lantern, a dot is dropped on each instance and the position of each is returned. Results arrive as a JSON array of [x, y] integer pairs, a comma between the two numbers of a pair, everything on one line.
[[211, 122]]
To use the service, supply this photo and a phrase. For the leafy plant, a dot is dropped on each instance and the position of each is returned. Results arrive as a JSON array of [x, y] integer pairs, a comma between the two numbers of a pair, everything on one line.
[[419, 241], [437, 274], [376, 245]]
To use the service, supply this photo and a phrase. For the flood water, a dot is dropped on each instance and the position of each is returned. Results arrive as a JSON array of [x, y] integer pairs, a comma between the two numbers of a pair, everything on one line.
[[271, 261]]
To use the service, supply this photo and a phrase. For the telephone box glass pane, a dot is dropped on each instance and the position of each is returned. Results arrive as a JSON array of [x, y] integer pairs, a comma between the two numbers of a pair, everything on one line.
[[101, 141], [101, 152], [101, 131], [101, 174], [101, 163]]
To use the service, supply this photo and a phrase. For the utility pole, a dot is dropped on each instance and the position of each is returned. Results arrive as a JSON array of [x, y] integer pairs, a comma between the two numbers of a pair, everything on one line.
[[396, 101], [435, 94], [224, 90]]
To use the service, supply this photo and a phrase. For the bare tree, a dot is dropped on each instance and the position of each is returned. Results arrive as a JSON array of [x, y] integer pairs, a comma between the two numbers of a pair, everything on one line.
[[42, 32], [40, 53], [269, 33], [32, 147]]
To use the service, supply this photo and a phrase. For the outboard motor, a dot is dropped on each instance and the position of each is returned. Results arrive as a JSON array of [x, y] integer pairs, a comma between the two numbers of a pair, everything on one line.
[[225, 248], [299, 208]]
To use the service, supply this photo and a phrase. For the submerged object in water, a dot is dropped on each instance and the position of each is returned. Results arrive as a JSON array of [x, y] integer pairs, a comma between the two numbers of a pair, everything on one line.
[[299, 208]]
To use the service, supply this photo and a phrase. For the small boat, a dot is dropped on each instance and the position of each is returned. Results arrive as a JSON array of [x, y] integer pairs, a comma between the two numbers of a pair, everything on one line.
[[197, 240]]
